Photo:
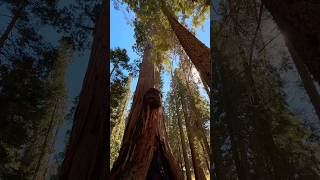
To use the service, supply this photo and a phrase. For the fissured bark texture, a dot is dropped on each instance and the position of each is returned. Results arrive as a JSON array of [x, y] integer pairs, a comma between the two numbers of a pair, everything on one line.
[[145, 151]]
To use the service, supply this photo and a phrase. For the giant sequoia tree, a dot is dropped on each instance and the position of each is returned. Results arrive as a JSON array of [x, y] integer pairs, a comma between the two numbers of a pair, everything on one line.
[[165, 20], [86, 156], [145, 151]]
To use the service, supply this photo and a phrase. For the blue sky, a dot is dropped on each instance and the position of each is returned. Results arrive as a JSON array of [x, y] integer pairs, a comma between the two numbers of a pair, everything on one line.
[[122, 35]]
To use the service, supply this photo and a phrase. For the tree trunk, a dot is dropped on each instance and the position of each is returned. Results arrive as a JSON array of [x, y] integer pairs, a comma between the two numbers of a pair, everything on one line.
[[180, 161], [195, 49], [11, 24], [217, 153], [184, 148], [306, 79], [234, 124], [195, 114], [38, 173], [207, 160], [36, 153], [118, 130], [86, 156], [145, 151], [201, 133], [182, 135], [198, 171], [263, 133], [123, 104], [299, 21]]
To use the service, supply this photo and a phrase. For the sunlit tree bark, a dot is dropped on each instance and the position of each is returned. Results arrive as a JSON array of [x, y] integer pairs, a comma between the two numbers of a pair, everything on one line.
[[195, 49], [145, 151]]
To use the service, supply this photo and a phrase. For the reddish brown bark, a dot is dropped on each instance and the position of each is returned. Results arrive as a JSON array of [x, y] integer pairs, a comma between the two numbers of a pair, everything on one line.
[[145, 151], [195, 49], [299, 22], [86, 157]]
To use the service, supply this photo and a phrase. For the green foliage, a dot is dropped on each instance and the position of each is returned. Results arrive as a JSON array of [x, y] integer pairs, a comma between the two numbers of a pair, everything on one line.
[[32, 76], [118, 121], [121, 70], [155, 29], [120, 83], [249, 103], [30, 88], [197, 110]]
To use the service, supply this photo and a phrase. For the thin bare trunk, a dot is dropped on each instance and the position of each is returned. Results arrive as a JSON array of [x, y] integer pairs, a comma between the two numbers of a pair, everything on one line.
[[263, 133], [198, 171], [182, 137], [123, 104], [207, 160], [181, 133], [184, 148], [44, 147], [221, 88], [195, 114]]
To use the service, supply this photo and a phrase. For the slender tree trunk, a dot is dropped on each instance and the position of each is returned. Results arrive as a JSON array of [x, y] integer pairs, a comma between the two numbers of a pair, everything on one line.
[[145, 151], [36, 152], [205, 157], [51, 148], [198, 171], [234, 125], [184, 148], [227, 106], [118, 129], [180, 161], [86, 156], [263, 133], [123, 104], [306, 79], [38, 174], [11, 24], [195, 114], [182, 135], [216, 157], [217, 153], [201, 132], [299, 21], [195, 49]]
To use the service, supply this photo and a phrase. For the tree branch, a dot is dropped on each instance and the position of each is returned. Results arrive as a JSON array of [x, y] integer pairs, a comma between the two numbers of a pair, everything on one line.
[[255, 34]]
